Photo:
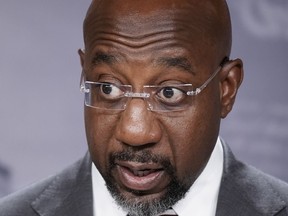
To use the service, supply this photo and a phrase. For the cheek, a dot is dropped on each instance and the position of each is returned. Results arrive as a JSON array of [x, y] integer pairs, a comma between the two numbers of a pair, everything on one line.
[[193, 142], [99, 132]]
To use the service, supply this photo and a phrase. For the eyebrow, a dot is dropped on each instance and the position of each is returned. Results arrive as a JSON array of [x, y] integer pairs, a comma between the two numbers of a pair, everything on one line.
[[176, 62], [104, 58]]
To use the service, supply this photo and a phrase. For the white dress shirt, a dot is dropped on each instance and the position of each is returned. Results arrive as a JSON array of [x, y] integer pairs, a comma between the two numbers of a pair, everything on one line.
[[201, 199]]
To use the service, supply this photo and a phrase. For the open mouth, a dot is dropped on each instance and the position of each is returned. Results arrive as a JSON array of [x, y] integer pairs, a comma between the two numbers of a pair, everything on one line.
[[141, 176]]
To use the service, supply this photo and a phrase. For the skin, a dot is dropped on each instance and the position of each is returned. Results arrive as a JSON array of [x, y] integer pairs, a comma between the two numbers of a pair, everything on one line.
[[135, 36]]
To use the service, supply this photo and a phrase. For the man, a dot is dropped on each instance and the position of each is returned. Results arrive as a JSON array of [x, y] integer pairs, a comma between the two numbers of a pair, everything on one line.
[[157, 80]]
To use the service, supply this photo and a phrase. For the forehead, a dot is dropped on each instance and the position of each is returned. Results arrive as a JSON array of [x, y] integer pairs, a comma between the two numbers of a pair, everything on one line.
[[152, 26]]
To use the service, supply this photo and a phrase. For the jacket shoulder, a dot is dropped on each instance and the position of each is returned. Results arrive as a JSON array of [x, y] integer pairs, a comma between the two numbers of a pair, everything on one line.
[[276, 184], [22, 199], [250, 191], [19, 203]]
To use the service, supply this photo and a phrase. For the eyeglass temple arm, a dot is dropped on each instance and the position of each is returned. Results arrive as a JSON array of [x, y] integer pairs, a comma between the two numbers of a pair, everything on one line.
[[199, 89], [82, 85]]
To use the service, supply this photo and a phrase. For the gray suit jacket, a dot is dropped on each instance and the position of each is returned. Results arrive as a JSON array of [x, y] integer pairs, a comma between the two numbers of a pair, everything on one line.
[[244, 191]]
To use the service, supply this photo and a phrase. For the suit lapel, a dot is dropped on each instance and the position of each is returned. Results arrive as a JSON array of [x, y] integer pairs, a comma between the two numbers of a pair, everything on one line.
[[244, 191], [69, 194]]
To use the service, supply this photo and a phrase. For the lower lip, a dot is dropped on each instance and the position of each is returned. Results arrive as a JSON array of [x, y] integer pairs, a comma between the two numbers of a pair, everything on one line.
[[145, 183]]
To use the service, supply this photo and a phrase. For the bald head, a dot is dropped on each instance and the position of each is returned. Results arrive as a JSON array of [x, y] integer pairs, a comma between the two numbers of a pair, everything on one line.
[[209, 20]]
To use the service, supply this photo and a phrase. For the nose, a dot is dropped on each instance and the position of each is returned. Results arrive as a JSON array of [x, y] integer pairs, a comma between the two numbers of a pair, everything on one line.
[[137, 125]]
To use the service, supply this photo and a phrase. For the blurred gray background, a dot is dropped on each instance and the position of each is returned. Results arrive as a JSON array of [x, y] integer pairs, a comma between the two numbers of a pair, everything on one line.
[[41, 118]]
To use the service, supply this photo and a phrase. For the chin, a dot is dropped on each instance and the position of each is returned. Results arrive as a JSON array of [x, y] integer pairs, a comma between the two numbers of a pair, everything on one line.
[[142, 203]]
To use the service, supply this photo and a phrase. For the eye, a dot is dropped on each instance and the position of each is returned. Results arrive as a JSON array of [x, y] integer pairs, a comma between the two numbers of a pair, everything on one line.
[[110, 91], [171, 95]]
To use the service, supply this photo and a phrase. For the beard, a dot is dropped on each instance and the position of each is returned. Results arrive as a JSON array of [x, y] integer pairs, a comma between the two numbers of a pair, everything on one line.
[[138, 205]]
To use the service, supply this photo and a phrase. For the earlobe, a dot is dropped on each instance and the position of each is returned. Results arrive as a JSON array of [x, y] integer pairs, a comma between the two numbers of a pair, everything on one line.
[[231, 78]]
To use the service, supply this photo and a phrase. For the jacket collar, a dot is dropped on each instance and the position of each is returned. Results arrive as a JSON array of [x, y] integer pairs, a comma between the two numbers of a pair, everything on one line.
[[69, 194], [245, 191]]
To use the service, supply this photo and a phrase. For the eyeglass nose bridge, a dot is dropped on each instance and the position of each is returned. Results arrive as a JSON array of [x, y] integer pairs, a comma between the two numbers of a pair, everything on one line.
[[139, 95]]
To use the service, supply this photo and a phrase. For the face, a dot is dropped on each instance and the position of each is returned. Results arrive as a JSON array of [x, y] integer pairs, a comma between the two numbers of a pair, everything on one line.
[[150, 159]]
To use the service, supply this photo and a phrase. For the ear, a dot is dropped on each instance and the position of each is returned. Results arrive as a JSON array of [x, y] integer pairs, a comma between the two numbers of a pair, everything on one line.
[[231, 77], [82, 57]]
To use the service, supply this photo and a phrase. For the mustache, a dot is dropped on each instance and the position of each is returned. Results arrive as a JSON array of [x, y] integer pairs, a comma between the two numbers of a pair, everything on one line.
[[143, 156]]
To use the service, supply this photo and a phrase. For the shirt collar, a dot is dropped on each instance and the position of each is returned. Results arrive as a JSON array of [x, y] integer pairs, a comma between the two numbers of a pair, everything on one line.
[[201, 199], [103, 202]]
